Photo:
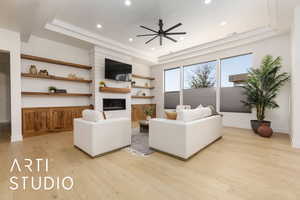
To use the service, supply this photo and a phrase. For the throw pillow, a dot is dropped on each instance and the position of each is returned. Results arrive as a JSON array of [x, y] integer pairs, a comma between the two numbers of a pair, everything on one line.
[[171, 115], [92, 115], [194, 114]]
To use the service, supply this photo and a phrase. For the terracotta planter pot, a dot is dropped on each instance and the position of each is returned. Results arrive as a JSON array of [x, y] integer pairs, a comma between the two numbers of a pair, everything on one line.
[[264, 130], [255, 124]]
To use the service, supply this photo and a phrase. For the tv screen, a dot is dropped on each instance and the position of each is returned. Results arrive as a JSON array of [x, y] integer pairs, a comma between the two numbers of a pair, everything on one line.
[[117, 71]]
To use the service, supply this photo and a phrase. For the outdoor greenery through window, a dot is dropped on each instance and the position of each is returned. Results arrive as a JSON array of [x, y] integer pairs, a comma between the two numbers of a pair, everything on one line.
[[201, 75], [199, 84], [234, 74]]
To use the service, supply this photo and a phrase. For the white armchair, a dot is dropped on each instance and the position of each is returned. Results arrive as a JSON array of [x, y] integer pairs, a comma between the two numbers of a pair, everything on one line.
[[97, 138], [184, 139]]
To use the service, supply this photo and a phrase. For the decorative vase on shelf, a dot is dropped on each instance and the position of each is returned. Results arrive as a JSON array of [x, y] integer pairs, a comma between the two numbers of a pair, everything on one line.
[[33, 70], [264, 130]]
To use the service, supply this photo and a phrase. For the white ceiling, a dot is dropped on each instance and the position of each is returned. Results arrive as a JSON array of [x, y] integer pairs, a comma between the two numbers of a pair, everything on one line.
[[200, 21]]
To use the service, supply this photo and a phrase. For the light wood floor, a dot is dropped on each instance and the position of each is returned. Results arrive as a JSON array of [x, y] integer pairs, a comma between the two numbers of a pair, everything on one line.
[[239, 166]]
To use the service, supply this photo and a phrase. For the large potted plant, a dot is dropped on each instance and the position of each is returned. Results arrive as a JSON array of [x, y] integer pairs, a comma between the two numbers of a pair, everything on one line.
[[262, 87]]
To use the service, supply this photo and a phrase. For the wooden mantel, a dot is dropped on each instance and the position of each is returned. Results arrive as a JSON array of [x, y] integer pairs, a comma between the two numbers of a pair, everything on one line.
[[114, 90]]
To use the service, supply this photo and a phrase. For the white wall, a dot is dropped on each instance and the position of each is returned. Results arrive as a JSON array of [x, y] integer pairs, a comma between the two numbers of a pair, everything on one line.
[[4, 88], [295, 80], [10, 42], [276, 46], [50, 49]]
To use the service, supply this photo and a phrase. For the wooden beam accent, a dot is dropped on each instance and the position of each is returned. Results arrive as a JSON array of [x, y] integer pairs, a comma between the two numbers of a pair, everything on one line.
[[143, 77], [143, 87], [114, 90], [57, 94], [55, 78], [142, 97], [52, 61]]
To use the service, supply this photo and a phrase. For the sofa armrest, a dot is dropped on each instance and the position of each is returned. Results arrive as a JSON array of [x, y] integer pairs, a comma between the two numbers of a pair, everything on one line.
[[161, 131]]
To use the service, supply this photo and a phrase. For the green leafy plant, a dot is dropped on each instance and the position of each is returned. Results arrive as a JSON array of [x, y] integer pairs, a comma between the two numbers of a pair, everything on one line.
[[50, 88], [148, 111], [263, 85], [203, 78], [102, 84]]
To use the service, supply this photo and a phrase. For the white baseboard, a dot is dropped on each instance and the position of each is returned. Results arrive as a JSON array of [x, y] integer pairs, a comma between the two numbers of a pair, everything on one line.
[[16, 138]]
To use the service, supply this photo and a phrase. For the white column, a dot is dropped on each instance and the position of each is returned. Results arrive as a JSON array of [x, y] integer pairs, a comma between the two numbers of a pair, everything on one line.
[[295, 82]]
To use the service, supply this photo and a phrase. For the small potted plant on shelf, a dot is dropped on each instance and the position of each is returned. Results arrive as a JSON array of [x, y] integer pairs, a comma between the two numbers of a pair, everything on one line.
[[102, 84], [148, 112], [261, 89], [52, 89]]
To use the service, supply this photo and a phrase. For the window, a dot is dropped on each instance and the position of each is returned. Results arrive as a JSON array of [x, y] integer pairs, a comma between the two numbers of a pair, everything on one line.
[[199, 84], [233, 74], [172, 80], [201, 75], [172, 88]]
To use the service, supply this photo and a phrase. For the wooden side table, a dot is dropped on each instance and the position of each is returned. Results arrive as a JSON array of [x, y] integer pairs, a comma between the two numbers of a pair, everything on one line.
[[144, 126]]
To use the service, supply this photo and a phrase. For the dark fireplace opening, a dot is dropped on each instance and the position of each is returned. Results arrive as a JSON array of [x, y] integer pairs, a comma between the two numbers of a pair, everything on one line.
[[114, 104]]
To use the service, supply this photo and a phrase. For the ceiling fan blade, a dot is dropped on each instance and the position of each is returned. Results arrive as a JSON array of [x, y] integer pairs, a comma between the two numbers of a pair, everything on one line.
[[170, 38], [147, 35], [177, 33], [173, 27], [160, 40], [149, 29], [151, 39]]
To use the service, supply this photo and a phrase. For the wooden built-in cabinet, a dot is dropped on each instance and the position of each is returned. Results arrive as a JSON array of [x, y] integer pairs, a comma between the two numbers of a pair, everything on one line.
[[44, 120], [137, 112]]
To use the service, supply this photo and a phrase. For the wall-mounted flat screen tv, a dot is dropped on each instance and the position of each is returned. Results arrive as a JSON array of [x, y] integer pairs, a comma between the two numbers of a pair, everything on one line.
[[117, 71]]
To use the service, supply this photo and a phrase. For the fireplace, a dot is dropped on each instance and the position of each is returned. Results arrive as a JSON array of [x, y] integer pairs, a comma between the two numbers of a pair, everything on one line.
[[114, 104]]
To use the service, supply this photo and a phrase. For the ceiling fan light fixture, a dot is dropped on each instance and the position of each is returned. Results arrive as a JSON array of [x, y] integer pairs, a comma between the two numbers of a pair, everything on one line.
[[223, 23], [127, 3], [161, 33], [207, 2]]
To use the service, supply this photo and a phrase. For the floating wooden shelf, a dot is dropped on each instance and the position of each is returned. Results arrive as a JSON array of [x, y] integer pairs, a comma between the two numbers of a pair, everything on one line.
[[143, 87], [52, 61], [114, 90], [55, 78], [142, 97], [56, 94], [143, 77]]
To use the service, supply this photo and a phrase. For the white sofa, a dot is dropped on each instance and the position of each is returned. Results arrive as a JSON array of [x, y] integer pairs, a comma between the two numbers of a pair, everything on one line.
[[184, 139], [96, 138]]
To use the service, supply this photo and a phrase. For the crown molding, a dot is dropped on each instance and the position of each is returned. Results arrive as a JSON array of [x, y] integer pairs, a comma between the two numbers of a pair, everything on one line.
[[97, 40], [222, 44]]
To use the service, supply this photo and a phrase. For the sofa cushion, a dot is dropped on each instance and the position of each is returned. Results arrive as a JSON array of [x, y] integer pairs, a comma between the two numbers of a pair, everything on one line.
[[171, 115], [92, 115], [194, 114]]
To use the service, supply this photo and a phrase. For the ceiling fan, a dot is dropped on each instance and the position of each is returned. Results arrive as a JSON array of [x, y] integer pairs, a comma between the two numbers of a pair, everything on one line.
[[161, 33]]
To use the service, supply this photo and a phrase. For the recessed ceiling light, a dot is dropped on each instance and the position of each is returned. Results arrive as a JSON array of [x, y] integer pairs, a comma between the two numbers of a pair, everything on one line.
[[127, 3], [99, 26], [223, 23], [207, 1], [130, 39], [152, 48]]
